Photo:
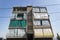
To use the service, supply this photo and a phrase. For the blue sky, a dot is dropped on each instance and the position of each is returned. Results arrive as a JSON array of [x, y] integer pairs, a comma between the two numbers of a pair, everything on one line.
[[52, 11]]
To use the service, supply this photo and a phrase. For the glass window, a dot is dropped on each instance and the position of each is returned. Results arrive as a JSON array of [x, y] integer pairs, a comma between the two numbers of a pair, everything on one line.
[[13, 15], [20, 15], [25, 15], [36, 15], [11, 32], [21, 32], [35, 9], [45, 23], [37, 22], [43, 10], [43, 15]]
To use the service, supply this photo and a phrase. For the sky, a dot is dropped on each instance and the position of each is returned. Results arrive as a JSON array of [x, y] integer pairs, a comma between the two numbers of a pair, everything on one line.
[[53, 7]]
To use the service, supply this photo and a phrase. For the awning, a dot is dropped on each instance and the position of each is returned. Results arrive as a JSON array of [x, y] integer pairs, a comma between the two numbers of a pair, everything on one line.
[[38, 33], [47, 32]]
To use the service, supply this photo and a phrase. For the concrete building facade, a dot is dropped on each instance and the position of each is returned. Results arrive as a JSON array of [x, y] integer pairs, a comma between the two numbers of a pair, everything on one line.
[[30, 23]]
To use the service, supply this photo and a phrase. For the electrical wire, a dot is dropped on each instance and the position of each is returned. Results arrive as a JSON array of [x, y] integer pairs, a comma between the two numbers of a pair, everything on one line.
[[40, 5], [43, 5], [52, 5], [48, 14], [5, 8]]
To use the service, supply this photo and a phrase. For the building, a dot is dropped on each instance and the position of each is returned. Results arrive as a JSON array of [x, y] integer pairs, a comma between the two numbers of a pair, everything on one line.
[[1, 38], [58, 36], [30, 23]]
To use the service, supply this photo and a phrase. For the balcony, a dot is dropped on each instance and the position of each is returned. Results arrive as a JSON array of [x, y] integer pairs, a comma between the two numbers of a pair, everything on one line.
[[43, 33], [41, 24], [19, 16], [16, 33], [17, 24], [40, 16]]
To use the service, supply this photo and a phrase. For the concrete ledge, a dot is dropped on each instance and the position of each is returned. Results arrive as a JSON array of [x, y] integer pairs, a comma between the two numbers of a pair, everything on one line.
[[16, 39]]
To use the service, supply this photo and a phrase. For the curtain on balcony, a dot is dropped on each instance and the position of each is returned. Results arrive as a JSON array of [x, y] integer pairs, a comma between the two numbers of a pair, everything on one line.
[[17, 23]]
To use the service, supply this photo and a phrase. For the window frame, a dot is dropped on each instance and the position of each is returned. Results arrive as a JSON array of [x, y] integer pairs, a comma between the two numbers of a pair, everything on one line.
[[36, 15], [20, 15], [45, 22], [44, 10], [35, 9], [14, 15], [39, 22]]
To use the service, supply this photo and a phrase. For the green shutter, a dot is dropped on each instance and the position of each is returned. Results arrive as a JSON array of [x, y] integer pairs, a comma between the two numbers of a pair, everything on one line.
[[13, 23], [23, 23], [17, 23]]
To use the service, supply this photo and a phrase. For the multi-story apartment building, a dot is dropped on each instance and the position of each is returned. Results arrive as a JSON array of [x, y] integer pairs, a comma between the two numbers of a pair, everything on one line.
[[30, 23]]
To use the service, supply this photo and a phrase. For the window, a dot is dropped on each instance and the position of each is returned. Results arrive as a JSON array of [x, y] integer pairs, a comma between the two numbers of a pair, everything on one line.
[[40, 15], [21, 32], [17, 23], [25, 15], [11, 32], [41, 22], [13, 15], [43, 15], [37, 22], [20, 15], [35, 9], [45, 23], [39, 9], [36, 15], [43, 10]]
